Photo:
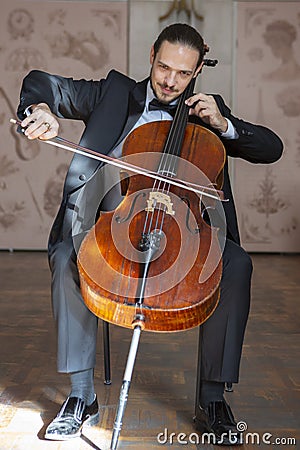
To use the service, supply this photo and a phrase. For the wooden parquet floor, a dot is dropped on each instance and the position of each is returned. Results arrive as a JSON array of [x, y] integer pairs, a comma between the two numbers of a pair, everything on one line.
[[163, 387]]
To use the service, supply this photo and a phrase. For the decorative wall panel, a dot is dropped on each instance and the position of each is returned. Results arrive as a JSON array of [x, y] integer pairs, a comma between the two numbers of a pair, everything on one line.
[[268, 92], [78, 39]]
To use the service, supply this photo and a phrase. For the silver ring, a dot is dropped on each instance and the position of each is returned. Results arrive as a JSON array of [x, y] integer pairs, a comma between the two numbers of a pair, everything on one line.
[[47, 124]]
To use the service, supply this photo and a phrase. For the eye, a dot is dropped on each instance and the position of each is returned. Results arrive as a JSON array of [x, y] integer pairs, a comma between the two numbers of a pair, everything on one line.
[[163, 66], [185, 74]]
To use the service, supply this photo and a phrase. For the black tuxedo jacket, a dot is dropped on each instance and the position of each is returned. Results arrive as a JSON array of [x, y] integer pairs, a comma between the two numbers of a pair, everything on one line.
[[109, 108]]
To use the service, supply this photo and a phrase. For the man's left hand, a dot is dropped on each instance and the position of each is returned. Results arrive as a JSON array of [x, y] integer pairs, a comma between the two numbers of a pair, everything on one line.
[[205, 107]]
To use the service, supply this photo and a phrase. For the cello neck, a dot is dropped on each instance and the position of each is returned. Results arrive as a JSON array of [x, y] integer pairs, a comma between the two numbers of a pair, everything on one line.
[[175, 137]]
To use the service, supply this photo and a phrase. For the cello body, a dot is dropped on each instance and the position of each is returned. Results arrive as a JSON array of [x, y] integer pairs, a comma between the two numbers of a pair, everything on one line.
[[181, 288]]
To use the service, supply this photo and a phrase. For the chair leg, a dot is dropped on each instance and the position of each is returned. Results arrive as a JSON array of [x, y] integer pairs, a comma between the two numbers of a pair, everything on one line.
[[228, 387], [106, 353]]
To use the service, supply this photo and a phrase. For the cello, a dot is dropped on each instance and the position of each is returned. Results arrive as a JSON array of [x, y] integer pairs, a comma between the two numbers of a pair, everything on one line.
[[154, 263]]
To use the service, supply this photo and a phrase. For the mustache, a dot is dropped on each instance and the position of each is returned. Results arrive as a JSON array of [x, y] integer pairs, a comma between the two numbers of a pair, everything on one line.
[[166, 86]]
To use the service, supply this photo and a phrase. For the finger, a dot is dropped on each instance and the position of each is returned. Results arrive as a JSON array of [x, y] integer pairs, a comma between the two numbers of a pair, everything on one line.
[[196, 98], [26, 123], [37, 129], [32, 129], [191, 100], [194, 111], [51, 133], [199, 109], [39, 116]]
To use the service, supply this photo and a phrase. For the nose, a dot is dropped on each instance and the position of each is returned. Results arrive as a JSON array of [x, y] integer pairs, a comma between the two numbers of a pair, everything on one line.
[[170, 78]]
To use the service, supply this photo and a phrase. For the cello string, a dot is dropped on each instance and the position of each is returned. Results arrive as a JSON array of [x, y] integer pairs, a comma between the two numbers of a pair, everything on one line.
[[179, 124], [167, 165]]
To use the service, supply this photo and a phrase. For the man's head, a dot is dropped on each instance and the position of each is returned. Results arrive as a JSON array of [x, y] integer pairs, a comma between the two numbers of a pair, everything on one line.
[[176, 57]]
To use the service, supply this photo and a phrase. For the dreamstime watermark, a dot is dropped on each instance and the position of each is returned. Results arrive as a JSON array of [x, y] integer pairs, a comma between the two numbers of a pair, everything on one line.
[[231, 438]]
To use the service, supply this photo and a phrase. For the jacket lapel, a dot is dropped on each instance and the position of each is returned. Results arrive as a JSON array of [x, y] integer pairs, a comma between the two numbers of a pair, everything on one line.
[[136, 107]]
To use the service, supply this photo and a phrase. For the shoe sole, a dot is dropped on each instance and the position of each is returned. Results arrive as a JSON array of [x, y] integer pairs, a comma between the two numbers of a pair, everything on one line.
[[203, 428], [200, 426], [91, 421]]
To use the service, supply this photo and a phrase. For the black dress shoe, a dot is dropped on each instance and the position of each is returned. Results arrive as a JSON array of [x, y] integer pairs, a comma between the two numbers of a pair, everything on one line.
[[73, 414], [217, 420]]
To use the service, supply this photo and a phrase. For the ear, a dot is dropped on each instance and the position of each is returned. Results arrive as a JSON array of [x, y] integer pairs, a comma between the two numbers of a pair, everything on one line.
[[152, 55], [198, 70]]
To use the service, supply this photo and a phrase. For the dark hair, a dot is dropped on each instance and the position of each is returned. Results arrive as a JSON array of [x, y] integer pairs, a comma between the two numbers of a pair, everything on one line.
[[181, 33]]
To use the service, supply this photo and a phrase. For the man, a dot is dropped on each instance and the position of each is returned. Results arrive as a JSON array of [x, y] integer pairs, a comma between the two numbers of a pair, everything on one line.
[[110, 109]]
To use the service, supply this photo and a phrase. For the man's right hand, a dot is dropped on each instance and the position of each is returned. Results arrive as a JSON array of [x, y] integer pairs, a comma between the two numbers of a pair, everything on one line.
[[41, 123]]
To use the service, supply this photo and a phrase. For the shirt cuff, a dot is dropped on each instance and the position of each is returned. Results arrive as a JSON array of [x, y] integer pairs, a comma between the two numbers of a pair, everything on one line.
[[28, 110], [231, 132]]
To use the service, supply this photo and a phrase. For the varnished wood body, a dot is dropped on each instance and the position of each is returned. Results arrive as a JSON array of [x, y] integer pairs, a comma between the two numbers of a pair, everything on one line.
[[109, 262]]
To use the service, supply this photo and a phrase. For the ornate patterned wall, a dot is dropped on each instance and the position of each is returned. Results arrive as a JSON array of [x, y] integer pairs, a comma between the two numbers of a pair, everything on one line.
[[268, 92], [86, 39], [74, 39]]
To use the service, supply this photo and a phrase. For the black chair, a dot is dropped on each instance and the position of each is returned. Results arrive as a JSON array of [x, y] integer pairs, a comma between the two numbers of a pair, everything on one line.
[[107, 369]]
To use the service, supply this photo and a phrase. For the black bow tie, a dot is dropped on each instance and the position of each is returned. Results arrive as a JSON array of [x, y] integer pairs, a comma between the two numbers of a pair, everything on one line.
[[155, 105]]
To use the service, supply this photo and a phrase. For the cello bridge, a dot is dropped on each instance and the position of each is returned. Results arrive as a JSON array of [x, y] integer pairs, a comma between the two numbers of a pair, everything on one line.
[[163, 199]]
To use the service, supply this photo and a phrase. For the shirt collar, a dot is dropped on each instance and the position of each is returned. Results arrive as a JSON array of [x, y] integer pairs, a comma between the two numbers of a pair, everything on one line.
[[149, 95]]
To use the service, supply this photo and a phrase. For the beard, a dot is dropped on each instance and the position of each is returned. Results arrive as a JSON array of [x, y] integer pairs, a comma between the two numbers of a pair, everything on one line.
[[163, 98]]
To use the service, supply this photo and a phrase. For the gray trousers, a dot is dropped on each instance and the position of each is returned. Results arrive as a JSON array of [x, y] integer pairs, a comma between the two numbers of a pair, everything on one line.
[[222, 333]]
